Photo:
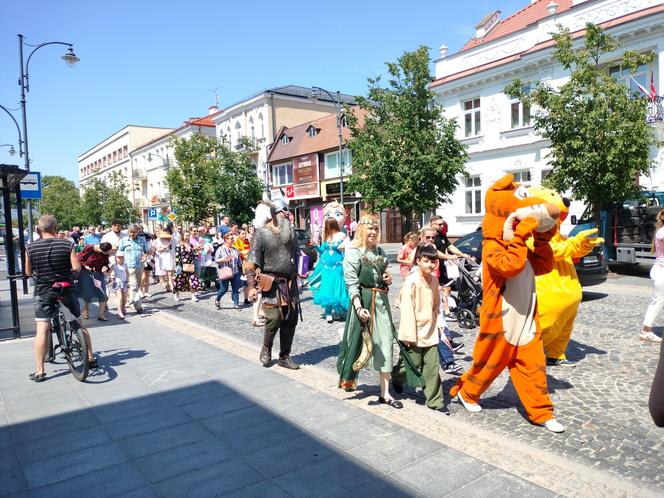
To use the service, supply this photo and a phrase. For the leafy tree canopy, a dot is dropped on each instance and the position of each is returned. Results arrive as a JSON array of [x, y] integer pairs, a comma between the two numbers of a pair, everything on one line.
[[106, 200], [600, 141], [61, 198], [405, 153]]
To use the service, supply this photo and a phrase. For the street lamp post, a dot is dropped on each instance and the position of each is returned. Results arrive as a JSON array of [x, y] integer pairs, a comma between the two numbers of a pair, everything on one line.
[[12, 150], [24, 82], [315, 95], [18, 130]]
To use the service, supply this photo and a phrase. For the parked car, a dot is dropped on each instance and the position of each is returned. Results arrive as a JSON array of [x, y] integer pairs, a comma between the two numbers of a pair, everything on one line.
[[306, 246], [591, 269]]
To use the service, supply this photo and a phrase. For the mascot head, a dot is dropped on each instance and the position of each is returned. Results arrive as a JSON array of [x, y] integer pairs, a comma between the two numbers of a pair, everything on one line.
[[334, 210], [276, 211], [507, 203], [548, 195]]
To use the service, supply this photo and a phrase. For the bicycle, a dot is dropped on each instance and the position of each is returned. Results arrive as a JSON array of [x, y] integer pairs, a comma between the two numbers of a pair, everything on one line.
[[71, 342]]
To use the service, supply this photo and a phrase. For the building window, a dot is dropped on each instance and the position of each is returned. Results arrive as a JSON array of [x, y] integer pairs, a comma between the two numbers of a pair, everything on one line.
[[262, 128], [282, 174], [546, 173], [312, 132], [630, 80], [473, 195], [520, 115], [285, 139], [332, 169], [344, 122], [522, 176], [125, 150], [471, 116]]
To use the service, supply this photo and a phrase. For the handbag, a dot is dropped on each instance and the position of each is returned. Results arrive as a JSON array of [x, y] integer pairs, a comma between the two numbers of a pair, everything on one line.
[[225, 273], [188, 267], [264, 282]]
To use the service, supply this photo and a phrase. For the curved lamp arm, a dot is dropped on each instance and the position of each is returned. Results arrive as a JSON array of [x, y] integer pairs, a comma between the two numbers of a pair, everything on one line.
[[18, 129]]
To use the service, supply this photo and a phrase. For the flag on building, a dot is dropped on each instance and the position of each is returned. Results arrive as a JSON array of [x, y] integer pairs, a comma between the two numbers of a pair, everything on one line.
[[653, 90], [644, 90]]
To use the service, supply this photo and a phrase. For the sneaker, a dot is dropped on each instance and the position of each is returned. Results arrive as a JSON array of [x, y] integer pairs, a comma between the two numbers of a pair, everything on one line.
[[559, 362], [453, 368], [176, 298], [450, 317], [456, 346], [147, 294], [650, 337], [194, 299], [554, 426], [471, 407], [329, 319], [236, 307]]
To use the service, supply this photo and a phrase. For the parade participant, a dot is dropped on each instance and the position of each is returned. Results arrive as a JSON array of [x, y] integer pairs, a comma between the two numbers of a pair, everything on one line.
[[273, 256], [164, 268], [337, 211], [509, 334], [243, 246], [368, 334], [657, 276], [208, 265], [419, 305], [186, 278], [559, 291], [91, 285], [406, 255], [230, 271], [330, 293], [120, 276], [135, 250], [113, 237]]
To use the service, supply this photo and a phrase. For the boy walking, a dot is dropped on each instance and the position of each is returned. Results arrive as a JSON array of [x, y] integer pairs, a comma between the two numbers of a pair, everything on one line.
[[420, 305]]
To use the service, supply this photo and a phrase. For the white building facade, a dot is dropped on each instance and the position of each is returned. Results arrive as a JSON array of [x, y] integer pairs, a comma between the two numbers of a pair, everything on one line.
[[151, 161], [261, 115], [498, 130], [114, 154]]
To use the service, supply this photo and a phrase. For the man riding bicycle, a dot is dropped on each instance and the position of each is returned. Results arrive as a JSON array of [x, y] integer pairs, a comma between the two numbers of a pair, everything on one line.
[[50, 261]]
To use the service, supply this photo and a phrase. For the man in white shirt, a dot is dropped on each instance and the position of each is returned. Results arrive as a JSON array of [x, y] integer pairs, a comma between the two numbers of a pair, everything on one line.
[[113, 237]]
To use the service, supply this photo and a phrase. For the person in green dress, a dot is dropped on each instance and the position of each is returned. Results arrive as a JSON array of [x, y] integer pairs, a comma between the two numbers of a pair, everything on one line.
[[369, 332]]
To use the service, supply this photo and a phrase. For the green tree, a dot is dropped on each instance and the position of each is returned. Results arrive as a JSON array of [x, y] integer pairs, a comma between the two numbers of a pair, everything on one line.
[[597, 126], [92, 202], [238, 188], [405, 153], [61, 198], [117, 205], [104, 201], [192, 181]]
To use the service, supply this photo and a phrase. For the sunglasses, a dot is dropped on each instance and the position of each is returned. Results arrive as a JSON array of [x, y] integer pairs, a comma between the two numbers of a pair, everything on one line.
[[429, 238]]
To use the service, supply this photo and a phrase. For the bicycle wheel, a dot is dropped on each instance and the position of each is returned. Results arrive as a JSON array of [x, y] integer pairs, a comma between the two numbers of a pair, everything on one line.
[[76, 351]]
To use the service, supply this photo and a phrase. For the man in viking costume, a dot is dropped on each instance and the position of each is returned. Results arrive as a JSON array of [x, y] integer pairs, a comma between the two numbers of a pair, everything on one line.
[[272, 269]]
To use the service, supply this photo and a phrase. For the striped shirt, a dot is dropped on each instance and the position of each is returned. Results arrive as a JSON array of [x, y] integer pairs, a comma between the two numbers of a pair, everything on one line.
[[235, 264], [50, 261]]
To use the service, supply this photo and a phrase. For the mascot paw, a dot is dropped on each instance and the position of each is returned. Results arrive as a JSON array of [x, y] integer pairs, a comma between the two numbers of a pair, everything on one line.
[[526, 227]]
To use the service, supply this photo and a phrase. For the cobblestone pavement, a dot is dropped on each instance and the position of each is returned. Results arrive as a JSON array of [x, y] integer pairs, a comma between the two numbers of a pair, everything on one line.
[[602, 401]]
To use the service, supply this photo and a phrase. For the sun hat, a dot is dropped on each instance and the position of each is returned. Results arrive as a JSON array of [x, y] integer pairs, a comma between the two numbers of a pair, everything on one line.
[[165, 235], [119, 254]]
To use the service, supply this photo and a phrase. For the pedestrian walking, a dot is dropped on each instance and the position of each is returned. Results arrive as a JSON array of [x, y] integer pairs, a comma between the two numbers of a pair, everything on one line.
[[230, 271], [418, 331], [186, 278], [406, 255], [243, 245], [368, 334], [113, 237], [164, 249], [94, 260], [135, 251], [120, 278], [657, 276]]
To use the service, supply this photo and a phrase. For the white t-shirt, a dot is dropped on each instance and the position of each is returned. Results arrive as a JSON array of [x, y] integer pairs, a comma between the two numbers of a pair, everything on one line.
[[120, 271], [113, 239]]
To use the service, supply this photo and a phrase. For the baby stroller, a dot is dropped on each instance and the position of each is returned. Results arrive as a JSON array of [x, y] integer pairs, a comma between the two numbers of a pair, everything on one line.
[[469, 292]]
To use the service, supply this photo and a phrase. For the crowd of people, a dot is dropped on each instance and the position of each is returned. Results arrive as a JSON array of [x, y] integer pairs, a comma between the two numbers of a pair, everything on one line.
[[260, 265]]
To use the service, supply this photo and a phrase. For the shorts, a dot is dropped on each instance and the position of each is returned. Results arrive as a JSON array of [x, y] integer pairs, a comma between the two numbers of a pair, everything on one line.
[[119, 285], [46, 303]]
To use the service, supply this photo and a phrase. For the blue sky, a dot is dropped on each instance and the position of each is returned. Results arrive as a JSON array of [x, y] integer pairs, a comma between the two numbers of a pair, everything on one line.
[[156, 63]]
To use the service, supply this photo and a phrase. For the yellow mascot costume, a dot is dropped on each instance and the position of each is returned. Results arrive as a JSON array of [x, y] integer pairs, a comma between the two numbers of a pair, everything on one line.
[[559, 291]]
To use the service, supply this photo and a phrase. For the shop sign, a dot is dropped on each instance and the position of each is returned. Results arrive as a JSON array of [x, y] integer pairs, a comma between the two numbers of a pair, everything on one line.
[[305, 177], [335, 188]]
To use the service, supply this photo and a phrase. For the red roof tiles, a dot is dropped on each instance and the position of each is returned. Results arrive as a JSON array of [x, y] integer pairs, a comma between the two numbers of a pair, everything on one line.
[[516, 22]]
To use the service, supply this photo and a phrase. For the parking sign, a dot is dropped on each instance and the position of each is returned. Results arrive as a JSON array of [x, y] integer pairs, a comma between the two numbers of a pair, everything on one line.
[[152, 214]]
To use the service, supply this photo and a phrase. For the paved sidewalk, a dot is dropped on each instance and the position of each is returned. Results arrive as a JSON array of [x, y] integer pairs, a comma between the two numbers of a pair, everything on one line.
[[169, 415]]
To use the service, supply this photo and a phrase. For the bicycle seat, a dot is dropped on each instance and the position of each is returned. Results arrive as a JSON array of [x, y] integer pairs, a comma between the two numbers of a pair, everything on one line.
[[61, 285]]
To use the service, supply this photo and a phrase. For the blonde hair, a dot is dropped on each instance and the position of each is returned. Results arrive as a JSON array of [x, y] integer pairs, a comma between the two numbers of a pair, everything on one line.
[[412, 235], [360, 239]]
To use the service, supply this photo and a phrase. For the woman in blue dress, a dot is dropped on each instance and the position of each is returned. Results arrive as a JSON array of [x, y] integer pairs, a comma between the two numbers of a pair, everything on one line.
[[327, 281]]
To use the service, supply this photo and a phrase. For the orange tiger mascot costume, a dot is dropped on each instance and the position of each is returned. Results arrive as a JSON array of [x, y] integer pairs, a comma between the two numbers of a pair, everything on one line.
[[509, 333]]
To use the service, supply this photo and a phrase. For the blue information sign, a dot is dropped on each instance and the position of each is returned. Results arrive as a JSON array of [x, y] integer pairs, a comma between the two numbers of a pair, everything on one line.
[[31, 186], [152, 214]]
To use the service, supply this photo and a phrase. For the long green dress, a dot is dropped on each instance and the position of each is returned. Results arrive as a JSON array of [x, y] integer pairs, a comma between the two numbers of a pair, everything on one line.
[[363, 271]]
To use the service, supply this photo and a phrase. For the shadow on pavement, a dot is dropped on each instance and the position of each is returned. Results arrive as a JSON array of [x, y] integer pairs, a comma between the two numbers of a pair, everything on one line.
[[317, 355], [202, 439], [577, 351], [592, 296]]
